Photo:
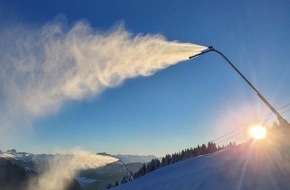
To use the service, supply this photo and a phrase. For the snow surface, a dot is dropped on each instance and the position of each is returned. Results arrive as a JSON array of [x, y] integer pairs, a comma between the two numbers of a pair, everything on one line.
[[256, 165]]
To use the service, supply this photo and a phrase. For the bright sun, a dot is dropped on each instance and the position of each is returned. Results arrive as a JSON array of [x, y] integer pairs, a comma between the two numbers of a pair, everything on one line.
[[258, 132]]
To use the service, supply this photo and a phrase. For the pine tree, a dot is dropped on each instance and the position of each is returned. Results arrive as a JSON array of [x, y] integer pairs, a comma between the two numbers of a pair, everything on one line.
[[203, 149], [116, 184], [124, 180], [109, 186]]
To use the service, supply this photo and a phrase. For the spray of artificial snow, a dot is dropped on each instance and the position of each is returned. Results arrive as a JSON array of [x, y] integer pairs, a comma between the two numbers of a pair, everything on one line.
[[42, 68], [60, 170]]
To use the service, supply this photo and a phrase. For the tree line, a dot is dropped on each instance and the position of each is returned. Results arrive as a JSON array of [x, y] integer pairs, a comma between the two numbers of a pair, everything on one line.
[[155, 164]]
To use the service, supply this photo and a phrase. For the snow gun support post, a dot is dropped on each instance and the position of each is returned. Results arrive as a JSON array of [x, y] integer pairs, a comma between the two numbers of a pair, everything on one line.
[[281, 120]]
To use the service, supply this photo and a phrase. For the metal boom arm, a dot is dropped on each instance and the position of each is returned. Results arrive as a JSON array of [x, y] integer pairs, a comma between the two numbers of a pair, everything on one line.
[[279, 117]]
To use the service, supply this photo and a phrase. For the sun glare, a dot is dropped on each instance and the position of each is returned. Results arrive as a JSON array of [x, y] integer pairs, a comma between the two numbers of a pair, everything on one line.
[[258, 132]]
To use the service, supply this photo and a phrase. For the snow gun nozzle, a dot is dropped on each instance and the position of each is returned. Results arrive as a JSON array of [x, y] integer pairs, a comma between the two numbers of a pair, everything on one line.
[[210, 48]]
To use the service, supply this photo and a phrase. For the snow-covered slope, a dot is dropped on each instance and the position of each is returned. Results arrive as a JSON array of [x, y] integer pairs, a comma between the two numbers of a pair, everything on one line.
[[256, 165]]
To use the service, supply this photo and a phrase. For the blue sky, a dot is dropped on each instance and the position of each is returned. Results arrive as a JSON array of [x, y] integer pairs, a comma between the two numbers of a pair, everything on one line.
[[179, 107]]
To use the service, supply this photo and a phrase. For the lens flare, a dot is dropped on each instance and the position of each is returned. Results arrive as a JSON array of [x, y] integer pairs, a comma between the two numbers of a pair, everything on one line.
[[258, 132]]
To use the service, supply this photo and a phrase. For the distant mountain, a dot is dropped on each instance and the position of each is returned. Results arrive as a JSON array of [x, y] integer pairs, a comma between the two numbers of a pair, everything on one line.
[[135, 158], [97, 178], [18, 169], [132, 158], [13, 176], [30, 160]]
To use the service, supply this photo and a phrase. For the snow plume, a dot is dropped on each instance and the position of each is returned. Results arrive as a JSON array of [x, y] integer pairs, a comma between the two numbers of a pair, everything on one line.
[[61, 169], [43, 67]]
